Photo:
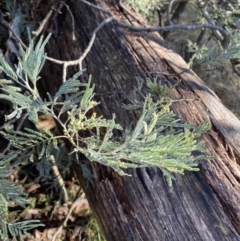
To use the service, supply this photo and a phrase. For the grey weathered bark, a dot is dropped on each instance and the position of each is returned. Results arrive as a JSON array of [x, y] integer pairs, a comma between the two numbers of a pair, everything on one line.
[[200, 206]]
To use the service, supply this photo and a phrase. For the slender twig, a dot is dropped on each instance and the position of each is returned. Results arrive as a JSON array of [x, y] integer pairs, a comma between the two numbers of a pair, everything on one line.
[[79, 201], [97, 7], [86, 51], [73, 22], [169, 12], [59, 178], [177, 26], [174, 101], [7, 25], [206, 15], [108, 20], [42, 25]]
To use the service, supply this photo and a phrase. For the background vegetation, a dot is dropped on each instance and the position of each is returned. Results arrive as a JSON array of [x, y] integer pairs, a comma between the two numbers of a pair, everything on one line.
[[200, 48]]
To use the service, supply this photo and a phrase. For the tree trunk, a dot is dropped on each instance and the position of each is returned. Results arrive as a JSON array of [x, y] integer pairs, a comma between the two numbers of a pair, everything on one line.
[[200, 206]]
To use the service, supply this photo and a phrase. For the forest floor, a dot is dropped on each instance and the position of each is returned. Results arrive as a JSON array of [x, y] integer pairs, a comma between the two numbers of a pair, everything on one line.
[[46, 205]]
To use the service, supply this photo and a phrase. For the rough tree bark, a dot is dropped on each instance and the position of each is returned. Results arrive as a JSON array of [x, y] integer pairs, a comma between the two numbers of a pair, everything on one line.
[[200, 206]]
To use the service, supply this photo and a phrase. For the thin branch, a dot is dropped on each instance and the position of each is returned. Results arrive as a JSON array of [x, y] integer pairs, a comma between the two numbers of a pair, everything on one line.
[[97, 7], [108, 20], [86, 51], [59, 178], [206, 15], [42, 25], [7, 25], [79, 201], [225, 36], [73, 22], [169, 12], [177, 26]]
